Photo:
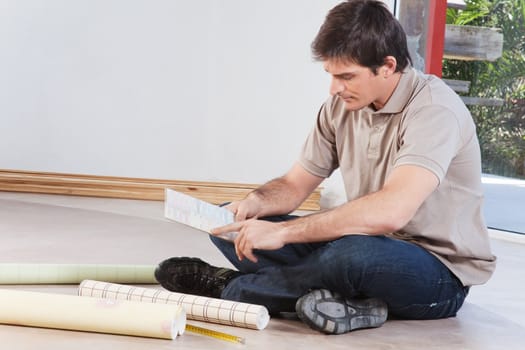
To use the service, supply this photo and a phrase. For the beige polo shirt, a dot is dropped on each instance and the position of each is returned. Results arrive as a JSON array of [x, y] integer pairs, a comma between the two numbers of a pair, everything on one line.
[[424, 123]]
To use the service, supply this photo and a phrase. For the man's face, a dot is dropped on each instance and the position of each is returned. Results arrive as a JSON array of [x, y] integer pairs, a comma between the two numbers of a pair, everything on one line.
[[357, 85]]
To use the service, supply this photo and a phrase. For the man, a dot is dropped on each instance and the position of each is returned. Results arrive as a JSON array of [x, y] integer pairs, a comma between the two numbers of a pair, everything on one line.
[[409, 241]]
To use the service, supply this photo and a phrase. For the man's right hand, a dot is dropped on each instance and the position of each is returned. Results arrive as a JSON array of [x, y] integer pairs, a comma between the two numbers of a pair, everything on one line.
[[278, 196], [247, 208]]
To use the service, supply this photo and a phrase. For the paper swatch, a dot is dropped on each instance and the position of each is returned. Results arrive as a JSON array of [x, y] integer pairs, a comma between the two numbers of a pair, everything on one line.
[[11, 273], [91, 314], [198, 308], [196, 213]]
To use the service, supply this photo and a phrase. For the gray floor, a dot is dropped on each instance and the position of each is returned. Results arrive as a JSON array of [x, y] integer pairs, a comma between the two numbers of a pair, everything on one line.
[[62, 229], [504, 203]]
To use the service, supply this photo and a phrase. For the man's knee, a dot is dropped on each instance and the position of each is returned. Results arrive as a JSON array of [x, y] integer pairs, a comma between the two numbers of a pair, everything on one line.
[[221, 243]]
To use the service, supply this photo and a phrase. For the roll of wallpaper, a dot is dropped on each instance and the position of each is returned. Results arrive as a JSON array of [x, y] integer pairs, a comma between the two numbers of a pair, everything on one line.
[[13, 273], [198, 308], [91, 314]]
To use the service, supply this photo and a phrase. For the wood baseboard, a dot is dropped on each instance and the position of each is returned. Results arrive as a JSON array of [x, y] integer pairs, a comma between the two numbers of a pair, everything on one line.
[[129, 188]]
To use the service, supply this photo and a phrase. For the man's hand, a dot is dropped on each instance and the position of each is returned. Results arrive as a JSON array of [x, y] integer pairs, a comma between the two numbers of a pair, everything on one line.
[[253, 234], [244, 209], [279, 196]]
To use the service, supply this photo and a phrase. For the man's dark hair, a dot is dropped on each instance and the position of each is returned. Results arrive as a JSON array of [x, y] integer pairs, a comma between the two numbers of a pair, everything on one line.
[[362, 32]]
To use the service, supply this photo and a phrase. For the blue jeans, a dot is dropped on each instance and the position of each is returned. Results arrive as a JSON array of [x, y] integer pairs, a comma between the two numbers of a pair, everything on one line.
[[413, 282]]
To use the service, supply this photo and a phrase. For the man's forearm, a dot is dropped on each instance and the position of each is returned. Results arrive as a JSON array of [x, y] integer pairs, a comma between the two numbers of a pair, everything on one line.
[[381, 212], [356, 217], [277, 197]]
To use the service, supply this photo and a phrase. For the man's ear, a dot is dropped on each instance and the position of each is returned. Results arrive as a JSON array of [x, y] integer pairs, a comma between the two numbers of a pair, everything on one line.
[[389, 66]]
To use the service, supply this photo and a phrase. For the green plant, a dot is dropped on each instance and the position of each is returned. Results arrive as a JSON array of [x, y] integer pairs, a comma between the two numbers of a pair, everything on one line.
[[501, 130]]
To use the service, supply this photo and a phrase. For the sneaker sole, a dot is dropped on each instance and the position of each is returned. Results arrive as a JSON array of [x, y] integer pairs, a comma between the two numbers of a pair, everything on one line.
[[329, 313]]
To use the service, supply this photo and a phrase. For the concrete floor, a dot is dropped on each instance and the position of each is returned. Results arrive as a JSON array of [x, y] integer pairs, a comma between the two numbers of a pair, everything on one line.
[[63, 229], [504, 203]]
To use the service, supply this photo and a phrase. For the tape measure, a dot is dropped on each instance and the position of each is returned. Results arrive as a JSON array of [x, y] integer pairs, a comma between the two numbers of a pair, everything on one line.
[[215, 334]]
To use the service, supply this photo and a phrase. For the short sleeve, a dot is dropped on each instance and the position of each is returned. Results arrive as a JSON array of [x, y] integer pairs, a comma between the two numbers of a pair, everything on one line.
[[430, 137], [319, 152]]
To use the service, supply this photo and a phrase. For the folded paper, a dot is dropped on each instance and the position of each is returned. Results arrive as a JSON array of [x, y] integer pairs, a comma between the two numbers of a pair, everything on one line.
[[196, 213]]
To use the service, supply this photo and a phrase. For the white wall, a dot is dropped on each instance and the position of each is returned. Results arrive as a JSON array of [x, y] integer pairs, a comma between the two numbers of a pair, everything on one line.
[[212, 90]]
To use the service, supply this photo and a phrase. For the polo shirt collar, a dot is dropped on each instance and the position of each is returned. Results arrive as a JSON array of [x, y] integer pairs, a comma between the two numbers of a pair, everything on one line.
[[401, 95]]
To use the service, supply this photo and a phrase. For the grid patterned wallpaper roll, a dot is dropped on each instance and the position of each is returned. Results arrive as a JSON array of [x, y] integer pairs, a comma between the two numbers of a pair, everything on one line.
[[198, 308]]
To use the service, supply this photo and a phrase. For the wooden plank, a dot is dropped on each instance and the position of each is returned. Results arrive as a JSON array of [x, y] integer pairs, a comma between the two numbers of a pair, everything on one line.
[[470, 43], [458, 85], [482, 101], [456, 4], [129, 188]]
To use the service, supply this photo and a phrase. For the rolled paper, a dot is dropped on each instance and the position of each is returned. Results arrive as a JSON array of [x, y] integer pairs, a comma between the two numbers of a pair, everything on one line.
[[72, 312], [13, 273], [198, 308]]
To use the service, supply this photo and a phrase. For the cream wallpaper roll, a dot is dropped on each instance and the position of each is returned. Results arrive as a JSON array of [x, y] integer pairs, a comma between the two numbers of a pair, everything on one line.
[[91, 314]]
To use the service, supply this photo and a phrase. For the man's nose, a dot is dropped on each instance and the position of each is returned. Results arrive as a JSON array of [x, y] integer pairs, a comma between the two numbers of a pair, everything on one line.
[[336, 86]]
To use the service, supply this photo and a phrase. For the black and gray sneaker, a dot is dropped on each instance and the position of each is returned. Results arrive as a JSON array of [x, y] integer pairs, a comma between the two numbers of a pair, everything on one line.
[[330, 313], [193, 276]]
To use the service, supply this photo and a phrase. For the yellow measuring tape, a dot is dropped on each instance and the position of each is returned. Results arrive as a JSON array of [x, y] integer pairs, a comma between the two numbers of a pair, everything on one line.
[[215, 334]]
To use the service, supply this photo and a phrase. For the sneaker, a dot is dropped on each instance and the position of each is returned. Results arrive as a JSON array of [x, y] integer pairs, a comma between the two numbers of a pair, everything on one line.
[[330, 313], [193, 276]]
